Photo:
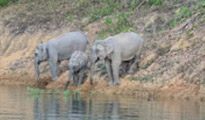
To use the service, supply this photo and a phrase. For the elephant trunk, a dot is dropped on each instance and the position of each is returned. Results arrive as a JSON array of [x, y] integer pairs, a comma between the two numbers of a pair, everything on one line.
[[93, 61], [69, 77], [91, 73], [36, 63]]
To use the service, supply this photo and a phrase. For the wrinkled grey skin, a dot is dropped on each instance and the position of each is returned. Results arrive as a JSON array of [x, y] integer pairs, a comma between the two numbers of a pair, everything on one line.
[[59, 49], [115, 50], [77, 66]]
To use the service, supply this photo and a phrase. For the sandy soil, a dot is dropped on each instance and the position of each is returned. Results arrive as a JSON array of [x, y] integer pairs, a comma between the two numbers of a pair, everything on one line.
[[172, 62]]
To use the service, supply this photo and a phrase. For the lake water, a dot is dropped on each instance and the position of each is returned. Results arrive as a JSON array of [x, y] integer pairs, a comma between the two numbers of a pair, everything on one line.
[[17, 104]]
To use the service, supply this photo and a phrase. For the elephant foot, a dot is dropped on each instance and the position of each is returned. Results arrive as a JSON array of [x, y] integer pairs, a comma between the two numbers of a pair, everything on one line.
[[131, 72], [110, 83], [91, 82], [116, 83], [54, 79], [122, 72], [76, 85], [138, 66]]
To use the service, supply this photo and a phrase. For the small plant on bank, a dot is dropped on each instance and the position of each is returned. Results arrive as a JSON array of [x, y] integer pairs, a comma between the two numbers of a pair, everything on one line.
[[77, 91], [5, 2], [66, 92], [116, 25], [92, 93], [156, 2], [190, 33], [180, 15], [34, 90], [107, 8]]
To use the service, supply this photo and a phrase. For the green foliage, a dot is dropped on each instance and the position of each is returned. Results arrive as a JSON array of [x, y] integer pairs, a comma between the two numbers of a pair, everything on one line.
[[56, 91], [92, 93], [108, 21], [115, 25], [77, 91], [156, 2], [203, 4], [66, 92], [174, 23], [133, 5], [5, 2], [34, 90], [70, 18], [180, 15], [106, 7], [49, 91], [190, 33], [122, 24], [202, 20], [185, 12]]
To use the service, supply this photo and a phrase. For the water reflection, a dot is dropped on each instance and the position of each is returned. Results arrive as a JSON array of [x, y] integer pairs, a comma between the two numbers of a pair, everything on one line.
[[15, 103]]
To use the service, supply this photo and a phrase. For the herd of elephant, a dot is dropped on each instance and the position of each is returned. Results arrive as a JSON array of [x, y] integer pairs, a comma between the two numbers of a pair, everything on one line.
[[121, 51]]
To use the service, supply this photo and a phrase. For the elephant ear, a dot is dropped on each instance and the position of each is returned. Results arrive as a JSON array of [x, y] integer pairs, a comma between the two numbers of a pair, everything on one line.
[[45, 48], [109, 49], [42, 51]]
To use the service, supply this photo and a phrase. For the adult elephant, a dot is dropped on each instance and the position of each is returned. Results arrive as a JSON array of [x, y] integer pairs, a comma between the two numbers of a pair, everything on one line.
[[59, 49], [115, 50]]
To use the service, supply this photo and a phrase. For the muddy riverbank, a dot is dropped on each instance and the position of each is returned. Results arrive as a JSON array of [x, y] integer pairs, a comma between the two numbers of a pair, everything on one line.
[[172, 62]]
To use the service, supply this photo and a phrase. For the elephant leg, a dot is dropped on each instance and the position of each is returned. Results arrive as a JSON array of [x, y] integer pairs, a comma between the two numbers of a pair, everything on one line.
[[75, 79], [53, 66], [115, 68], [109, 71], [69, 79], [53, 63], [81, 76], [124, 66], [58, 68], [132, 67]]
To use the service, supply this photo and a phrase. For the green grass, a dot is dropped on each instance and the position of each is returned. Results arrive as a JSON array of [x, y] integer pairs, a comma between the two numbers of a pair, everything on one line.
[[34, 90], [92, 93], [5, 2], [190, 33], [66, 92], [180, 15], [114, 25], [77, 91], [156, 2]]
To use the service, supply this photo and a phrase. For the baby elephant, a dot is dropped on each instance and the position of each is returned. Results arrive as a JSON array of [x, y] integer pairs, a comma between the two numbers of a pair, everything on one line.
[[77, 66]]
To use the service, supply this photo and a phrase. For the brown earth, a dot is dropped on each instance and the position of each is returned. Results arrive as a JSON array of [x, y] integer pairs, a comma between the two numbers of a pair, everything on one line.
[[172, 62]]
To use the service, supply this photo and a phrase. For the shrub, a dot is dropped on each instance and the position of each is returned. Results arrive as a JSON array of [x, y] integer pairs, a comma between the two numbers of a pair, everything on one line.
[[5, 2], [121, 24], [156, 2], [180, 15]]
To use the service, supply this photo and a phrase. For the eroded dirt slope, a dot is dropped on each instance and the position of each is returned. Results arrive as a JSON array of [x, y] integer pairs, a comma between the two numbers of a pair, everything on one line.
[[172, 62]]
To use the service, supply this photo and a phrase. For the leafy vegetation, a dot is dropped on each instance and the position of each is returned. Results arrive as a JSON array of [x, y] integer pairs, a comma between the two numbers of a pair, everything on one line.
[[34, 90], [66, 92], [156, 2], [92, 93], [115, 25], [77, 91], [5, 2], [180, 15]]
